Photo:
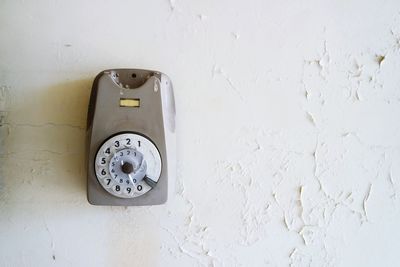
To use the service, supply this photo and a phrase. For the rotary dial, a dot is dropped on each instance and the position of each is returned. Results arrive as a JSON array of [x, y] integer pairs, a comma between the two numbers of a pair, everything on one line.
[[128, 165]]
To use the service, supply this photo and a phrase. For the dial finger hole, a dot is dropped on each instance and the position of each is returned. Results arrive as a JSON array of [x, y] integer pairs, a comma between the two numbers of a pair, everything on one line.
[[102, 172], [108, 182], [117, 144], [142, 188], [128, 191], [107, 151], [117, 189], [128, 142], [102, 161]]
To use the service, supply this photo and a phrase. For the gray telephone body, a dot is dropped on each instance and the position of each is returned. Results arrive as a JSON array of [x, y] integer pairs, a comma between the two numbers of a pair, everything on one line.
[[130, 138]]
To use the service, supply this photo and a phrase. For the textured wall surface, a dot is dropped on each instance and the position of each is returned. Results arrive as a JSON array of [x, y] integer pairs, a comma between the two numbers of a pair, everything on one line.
[[288, 132]]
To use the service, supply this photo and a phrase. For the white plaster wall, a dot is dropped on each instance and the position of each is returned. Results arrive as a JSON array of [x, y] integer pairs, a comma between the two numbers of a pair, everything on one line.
[[288, 132]]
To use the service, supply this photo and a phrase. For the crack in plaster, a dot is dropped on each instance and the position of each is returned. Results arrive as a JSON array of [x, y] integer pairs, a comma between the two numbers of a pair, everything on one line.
[[219, 71], [47, 124]]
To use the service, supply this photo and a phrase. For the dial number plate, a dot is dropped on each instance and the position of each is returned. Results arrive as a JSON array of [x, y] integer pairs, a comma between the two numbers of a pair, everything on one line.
[[128, 165]]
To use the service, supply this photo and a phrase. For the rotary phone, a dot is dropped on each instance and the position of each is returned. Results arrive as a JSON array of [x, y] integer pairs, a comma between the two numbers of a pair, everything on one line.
[[130, 126]]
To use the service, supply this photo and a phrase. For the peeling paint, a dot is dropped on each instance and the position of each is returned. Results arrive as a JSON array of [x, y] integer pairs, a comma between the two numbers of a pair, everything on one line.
[[4, 104], [367, 195], [379, 59]]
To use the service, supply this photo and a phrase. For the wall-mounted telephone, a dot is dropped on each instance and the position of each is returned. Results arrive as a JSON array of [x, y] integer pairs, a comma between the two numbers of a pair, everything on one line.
[[130, 126]]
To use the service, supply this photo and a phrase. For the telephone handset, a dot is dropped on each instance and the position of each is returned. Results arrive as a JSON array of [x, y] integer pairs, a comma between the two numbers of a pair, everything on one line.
[[131, 120]]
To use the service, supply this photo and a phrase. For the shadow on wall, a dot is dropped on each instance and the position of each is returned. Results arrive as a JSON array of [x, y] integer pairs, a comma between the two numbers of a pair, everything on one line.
[[42, 148]]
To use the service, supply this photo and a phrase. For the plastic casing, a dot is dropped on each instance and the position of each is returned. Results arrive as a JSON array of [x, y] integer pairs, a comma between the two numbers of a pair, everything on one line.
[[155, 119]]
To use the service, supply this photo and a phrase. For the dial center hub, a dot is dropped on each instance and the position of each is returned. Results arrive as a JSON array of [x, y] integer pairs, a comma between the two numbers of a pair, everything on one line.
[[128, 164], [127, 167]]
